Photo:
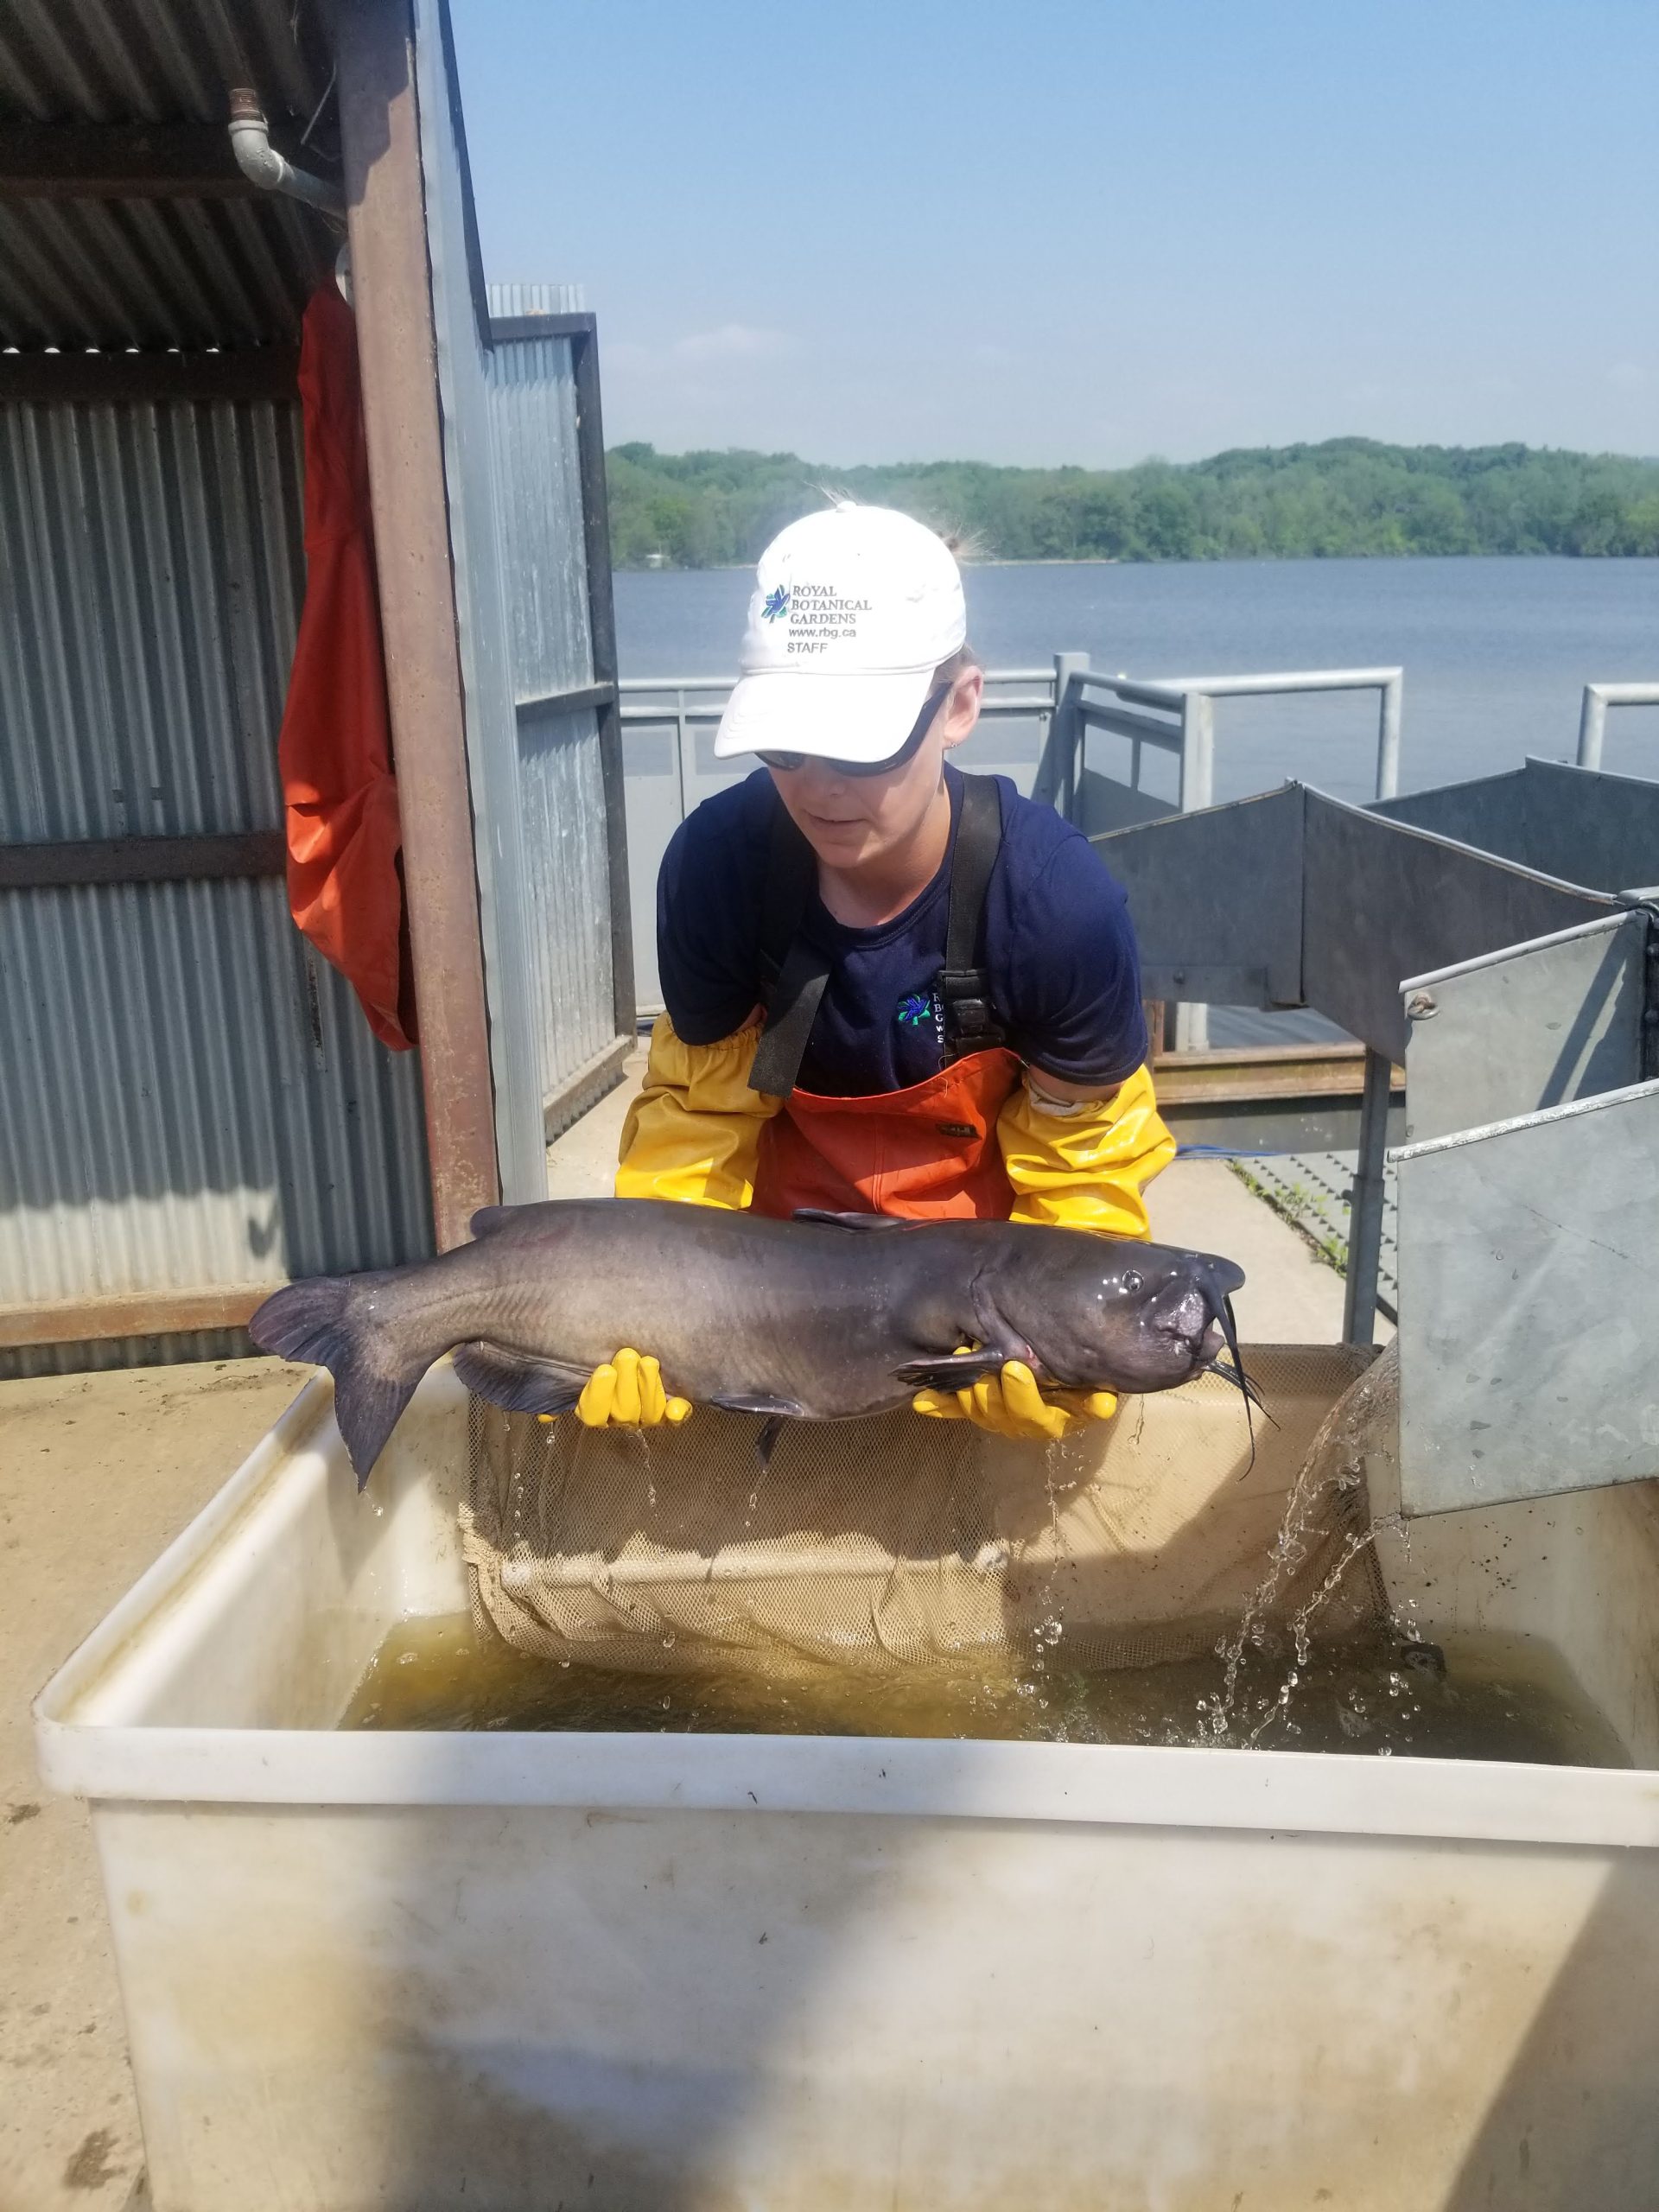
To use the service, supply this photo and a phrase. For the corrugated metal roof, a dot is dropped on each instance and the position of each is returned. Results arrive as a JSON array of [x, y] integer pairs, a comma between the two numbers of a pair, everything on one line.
[[156, 60], [179, 272], [154, 272]]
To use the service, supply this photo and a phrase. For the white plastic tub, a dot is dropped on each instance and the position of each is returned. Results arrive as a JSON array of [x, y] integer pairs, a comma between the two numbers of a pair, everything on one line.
[[644, 1974]]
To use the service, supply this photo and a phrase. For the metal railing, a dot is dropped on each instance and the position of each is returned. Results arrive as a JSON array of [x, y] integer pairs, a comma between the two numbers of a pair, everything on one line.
[[686, 704], [1593, 715], [1181, 719], [1177, 715]]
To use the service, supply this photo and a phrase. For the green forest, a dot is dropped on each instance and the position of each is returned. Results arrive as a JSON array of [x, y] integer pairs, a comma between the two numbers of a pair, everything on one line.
[[1348, 496]]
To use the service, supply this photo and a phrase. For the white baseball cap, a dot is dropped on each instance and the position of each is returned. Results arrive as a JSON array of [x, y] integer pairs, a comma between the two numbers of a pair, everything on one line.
[[853, 611]]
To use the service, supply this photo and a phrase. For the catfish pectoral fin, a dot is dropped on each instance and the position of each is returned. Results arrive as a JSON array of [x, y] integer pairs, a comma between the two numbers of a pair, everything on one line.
[[859, 1222], [757, 1402], [516, 1384], [950, 1371]]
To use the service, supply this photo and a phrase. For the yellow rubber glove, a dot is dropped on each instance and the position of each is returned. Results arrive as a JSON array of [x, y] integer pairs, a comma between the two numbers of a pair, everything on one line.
[[627, 1392], [1085, 1168], [1011, 1404], [693, 1132]]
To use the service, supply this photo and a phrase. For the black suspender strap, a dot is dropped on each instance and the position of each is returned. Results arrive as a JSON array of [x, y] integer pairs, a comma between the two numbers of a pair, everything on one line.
[[793, 972], [971, 1024]]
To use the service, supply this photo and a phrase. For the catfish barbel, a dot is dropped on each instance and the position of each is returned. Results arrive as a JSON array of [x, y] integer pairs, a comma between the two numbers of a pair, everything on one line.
[[822, 1318]]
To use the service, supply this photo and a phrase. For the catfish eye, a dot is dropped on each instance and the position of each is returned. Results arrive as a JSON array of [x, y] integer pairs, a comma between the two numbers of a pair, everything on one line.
[[1132, 1283]]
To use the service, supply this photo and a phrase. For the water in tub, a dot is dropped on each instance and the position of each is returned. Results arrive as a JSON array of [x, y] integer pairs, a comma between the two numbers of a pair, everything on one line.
[[1272, 1680], [1489, 1697]]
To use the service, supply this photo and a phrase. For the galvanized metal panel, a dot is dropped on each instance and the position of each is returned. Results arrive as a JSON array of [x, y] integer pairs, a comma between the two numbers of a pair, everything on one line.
[[1103, 804], [532, 400], [190, 1097], [1525, 1029], [157, 571], [509, 301], [1529, 1305], [1383, 901], [1217, 899], [1579, 824], [481, 608], [563, 800]]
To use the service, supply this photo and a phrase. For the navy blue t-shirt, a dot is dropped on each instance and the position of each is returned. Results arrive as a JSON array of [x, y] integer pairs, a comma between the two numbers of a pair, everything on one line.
[[1058, 951]]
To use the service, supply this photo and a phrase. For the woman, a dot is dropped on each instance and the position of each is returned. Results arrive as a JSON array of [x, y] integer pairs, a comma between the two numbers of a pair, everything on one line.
[[890, 988]]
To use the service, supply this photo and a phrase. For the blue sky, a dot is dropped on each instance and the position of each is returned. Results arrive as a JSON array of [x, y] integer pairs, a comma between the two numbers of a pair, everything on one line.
[[1048, 231]]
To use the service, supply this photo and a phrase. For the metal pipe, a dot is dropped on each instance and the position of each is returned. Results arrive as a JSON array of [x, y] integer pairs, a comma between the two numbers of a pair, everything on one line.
[[683, 781], [1593, 715], [259, 160], [1592, 725], [1198, 751], [1387, 736], [1071, 673], [1365, 1207]]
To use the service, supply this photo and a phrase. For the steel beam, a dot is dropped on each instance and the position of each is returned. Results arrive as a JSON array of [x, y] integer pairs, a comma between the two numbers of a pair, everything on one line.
[[66, 865], [397, 344], [119, 379], [1365, 1206], [121, 161], [134, 1313]]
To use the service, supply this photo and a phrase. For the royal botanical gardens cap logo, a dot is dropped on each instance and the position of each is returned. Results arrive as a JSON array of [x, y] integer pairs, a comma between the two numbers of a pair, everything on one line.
[[777, 603]]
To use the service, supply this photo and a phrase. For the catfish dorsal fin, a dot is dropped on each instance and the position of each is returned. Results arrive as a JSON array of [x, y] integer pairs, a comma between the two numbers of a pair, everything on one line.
[[860, 1222]]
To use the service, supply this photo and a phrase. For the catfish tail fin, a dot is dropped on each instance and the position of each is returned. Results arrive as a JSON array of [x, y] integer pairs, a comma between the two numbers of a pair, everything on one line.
[[329, 1322]]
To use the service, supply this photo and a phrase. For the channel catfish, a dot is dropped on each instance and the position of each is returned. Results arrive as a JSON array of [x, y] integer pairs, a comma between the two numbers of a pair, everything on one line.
[[822, 1317]]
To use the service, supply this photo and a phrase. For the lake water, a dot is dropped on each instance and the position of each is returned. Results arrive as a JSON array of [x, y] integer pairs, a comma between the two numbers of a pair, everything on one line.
[[1496, 654]]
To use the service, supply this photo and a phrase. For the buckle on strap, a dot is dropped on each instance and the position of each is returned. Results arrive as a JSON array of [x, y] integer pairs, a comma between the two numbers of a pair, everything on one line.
[[969, 1014]]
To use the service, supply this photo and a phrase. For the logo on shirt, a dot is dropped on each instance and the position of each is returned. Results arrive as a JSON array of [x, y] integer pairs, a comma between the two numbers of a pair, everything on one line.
[[775, 604], [915, 1009]]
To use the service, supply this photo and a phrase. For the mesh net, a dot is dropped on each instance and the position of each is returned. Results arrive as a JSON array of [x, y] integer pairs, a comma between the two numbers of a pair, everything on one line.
[[897, 1542]]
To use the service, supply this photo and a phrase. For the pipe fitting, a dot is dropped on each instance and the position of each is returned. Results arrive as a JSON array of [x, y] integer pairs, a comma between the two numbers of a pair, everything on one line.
[[259, 161]]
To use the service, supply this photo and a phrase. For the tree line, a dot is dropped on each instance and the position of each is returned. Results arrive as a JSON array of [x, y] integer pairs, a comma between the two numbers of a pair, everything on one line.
[[1348, 496]]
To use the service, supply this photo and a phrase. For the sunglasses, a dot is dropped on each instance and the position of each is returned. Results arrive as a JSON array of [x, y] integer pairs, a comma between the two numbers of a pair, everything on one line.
[[907, 750]]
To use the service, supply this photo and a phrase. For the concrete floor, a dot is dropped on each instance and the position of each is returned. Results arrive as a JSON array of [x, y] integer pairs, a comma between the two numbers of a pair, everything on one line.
[[98, 1473]]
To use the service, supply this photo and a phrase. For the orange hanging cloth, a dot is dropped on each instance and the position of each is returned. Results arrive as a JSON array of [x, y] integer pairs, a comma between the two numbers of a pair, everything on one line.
[[344, 879]]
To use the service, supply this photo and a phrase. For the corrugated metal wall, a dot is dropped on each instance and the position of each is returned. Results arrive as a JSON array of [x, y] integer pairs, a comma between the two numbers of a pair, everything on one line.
[[538, 494], [188, 1097]]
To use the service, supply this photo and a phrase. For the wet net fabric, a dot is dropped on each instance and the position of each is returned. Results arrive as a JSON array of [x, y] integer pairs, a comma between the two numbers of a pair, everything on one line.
[[899, 1542]]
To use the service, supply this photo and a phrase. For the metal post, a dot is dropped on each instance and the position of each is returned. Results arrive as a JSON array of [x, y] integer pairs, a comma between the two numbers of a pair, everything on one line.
[[683, 782], [1065, 730], [602, 630], [1388, 738], [397, 349], [1593, 725], [1365, 1207], [1197, 789], [1197, 751]]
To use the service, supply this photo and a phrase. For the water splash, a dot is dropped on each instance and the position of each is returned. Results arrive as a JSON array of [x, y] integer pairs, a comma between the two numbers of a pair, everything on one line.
[[1330, 1493]]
